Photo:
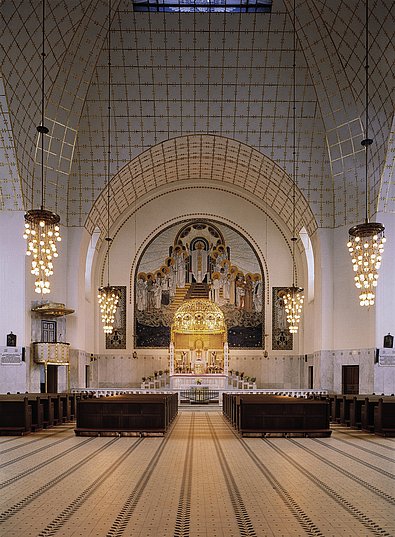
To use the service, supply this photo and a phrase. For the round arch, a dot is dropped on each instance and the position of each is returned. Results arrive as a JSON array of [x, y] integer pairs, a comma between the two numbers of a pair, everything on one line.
[[208, 158]]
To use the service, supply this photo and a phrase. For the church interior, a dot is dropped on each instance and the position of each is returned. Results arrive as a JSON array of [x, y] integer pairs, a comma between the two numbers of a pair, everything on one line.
[[197, 204]]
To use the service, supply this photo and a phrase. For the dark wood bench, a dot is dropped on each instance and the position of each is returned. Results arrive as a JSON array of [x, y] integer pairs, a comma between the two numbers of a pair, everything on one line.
[[15, 416], [48, 409], [123, 414], [367, 412], [335, 402], [37, 408], [258, 414], [384, 418]]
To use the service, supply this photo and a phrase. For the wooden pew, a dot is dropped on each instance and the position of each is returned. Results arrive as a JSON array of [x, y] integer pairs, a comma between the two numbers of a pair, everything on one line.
[[125, 414], [344, 409], [35, 402], [384, 417], [253, 414], [367, 413], [15, 416], [48, 409], [335, 407], [355, 411]]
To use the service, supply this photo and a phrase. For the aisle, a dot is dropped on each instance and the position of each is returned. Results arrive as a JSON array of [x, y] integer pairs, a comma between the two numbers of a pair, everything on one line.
[[201, 480]]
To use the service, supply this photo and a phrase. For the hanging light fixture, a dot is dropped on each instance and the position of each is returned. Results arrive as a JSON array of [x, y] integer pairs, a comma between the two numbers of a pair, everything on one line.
[[108, 295], [42, 230], [366, 241], [293, 299]]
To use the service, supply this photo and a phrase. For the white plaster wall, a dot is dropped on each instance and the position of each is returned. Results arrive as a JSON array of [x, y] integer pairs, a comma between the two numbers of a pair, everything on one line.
[[193, 200], [384, 379], [13, 378], [385, 302], [334, 321], [271, 372], [79, 324], [12, 277], [364, 358], [124, 371], [322, 242], [353, 325]]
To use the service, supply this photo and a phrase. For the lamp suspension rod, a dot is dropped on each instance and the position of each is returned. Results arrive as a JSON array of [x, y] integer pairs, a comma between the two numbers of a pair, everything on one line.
[[293, 239], [367, 141], [108, 239], [42, 130]]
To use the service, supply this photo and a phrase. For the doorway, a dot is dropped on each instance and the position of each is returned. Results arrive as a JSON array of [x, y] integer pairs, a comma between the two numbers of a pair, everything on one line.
[[350, 379], [87, 374], [52, 378], [311, 377]]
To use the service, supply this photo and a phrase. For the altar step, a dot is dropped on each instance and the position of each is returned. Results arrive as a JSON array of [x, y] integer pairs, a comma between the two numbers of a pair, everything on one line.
[[188, 407]]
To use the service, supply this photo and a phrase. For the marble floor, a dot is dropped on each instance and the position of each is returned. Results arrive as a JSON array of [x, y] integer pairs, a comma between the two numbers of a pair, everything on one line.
[[200, 480]]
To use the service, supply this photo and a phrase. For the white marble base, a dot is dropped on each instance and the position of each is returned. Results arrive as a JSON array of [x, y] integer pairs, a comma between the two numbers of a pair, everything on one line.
[[187, 381]]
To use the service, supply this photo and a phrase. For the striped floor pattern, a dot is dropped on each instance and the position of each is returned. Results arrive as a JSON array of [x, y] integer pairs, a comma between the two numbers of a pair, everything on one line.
[[200, 480]]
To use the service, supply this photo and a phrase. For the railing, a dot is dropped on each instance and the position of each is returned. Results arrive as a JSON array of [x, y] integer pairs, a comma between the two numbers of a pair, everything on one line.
[[55, 353], [199, 395]]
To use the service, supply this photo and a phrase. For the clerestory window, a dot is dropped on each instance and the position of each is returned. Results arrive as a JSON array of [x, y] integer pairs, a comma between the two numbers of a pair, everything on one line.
[[204, 6]]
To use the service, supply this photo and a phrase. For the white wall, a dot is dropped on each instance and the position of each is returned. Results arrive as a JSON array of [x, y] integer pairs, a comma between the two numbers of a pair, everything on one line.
[[12, 277], [385, 303], [191, 201], [334, 325], [353, 325]]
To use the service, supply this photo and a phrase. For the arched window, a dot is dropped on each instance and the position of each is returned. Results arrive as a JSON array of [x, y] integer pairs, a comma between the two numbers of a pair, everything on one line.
[[308, 249], [89, 260]]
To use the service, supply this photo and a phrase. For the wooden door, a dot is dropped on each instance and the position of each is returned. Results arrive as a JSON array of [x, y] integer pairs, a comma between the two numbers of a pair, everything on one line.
[[350, 379], [52, 378], [311, 377]]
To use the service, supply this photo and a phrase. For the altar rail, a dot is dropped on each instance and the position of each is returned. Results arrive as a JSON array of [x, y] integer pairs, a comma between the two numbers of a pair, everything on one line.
[[199, 396], [106, 392]]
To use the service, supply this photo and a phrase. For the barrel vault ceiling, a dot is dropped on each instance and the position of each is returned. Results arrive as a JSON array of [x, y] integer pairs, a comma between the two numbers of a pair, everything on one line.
[[180, 82]]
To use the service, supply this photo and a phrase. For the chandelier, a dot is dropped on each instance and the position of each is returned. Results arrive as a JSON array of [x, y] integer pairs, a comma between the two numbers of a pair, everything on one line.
[[108, 295], [41, 234], [42, 230], [293, 299], [293, 302], [366, 246], [108, 302], [366, 241]]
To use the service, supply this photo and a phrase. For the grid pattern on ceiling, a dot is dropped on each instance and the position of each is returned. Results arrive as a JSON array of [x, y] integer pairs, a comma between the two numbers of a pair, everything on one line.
[[202, 158], [331, 39], [21, 37], [176, 75], [203, 6], [338, 28], [10, 193]]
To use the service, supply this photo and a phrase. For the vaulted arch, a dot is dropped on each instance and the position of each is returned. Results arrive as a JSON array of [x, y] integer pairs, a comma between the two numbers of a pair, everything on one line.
[[205, 158]]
